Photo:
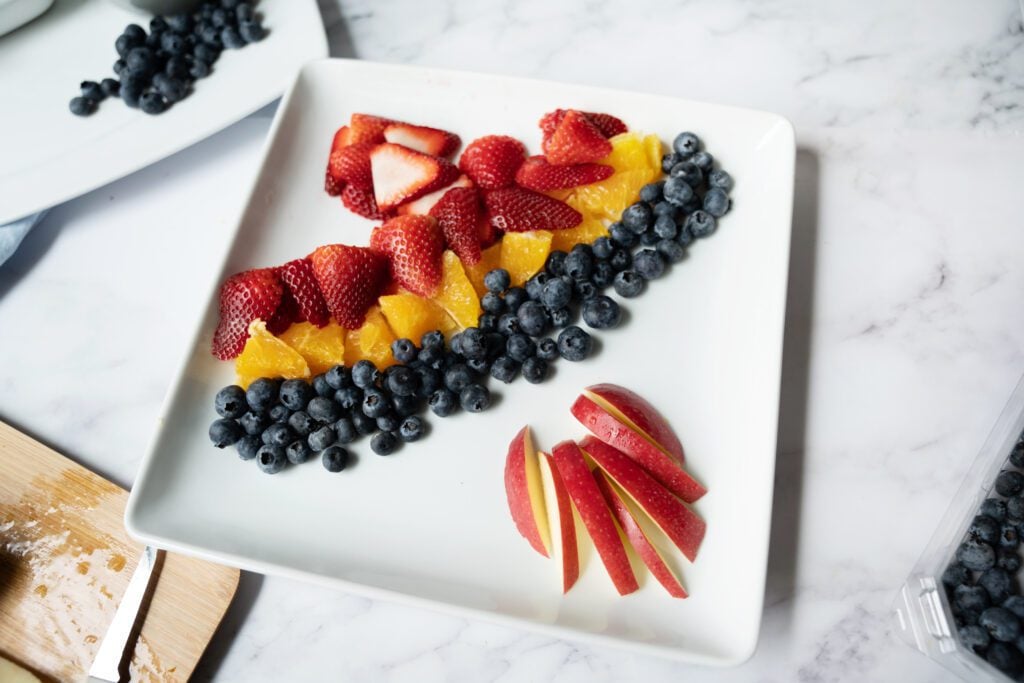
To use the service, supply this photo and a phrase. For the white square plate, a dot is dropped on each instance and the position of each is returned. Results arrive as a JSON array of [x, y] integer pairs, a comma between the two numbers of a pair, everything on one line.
[[49, 155], [430, 524]]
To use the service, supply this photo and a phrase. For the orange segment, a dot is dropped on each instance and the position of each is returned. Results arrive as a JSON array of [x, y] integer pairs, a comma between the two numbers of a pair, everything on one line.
[[523, 254], [630, 153], [655, 150], [371, 342], [411, 316], [458, 296], [265, 355], [584, 233], [322, 347], [608, 198], [490, 258]]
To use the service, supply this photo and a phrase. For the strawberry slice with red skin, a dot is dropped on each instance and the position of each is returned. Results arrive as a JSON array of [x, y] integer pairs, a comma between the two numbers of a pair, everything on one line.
[[351, 279], [424, 204], [244, 297], [300, 283], [576, 140], [458, 214], [515, 209], [361, 203], [368, 128], [537, 174], [287, 313], [413, 246], [423, 139], [401, 174], [351, 166], [488, 233], [342, 139], [609, 125], [492, 161]]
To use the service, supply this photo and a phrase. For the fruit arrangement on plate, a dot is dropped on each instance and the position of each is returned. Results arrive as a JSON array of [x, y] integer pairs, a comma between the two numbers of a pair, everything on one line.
[[480, 267]]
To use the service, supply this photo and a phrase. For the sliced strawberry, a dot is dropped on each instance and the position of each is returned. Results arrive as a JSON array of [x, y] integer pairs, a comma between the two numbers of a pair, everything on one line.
[[342, 138], [488, 233], [434, 141], [401, 174], [361, 202], [244, 297], [538, 174], [514, 209], [458, 213], [576, 141], [609, 125], [492, 161], [287, 313], [367, 128], [351, 166], [351, 279], [300, 283], [424, 204], [413, 245]]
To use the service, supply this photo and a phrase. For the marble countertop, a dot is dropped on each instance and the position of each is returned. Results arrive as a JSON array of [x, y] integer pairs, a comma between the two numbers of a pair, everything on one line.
[[904, 330]]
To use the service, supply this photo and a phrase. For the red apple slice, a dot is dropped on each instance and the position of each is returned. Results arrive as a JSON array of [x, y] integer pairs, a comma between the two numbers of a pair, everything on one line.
[[636, 412], [596, 516], [525, 492], [563, 529], [616, 433], [676, 520], [638, 539]]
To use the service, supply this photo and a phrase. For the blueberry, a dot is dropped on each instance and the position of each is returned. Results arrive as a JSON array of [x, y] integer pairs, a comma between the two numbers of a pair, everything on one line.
[[976, 556], [262, 394], [689, 172], [533, 319], [388, 422], [492, 303], [504, 369], [225, 432], [678, 192], [334, 458], [971, 597], [585, 289], [720, 179], [686, 144], [337, 377], [248, 446], [152, 103], [204, 52], [243, 12], [1006, 658], [443, 402], [602, 248], [649, 264], [685, 237], [497, 280], [997, 509], [229, 36], [1001, 624], [547, 349], [620, 260], [280, 413], [172, 42], [488, 322], [651, 192], [475, 398], [432, 340], [1008, 560], [430, 381], [365, 374], [515, 297], [271, 459], [984, 529], [131, 90], [955, 575], [348, 397], [1015, 605], [665, 227], [298, 452], [140, 60], [384, 443], [301, 423], [557, 293], [560, 317], [1009, 483], [172, 89], [179, 22], [648, 239], [411, 429], [998, 584], [603, 274], [278, 434], [345, 430], [362, 423], [253, 423], [221, 18], [251, 31], [403, 381], [91, 90], [574, 344], [716, 202], [177, 68], [508, 324], [669, 160], [322, 438], [520, 347], [629, 284], [153, 40], [230, 401], [601, 313], [474, 343], [555, 263], [375, 403], [671, 250], [663, 208], [622, 236], [966, 617], [637, 217], [1017, 454], [431, 356], [157, 24], [135, 32], [535, 285], [975, 638], [703, 161], [579, 264], [1009, 537], [323, 409], [535, 370], [120, 66], [124, 44], [700, 224], [458, 377], [296, 393], [82, 106]]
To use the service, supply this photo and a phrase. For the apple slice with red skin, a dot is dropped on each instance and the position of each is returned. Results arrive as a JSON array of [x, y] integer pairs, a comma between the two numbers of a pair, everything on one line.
[[634, 411], [558, 503], [525, 492], [622, 437], [596, 516], [677, 521], [638, 539]]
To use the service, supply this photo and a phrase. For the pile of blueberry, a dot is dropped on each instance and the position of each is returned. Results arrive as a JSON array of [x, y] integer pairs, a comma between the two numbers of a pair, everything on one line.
[[521, 331], [158, 69], [981, 581]]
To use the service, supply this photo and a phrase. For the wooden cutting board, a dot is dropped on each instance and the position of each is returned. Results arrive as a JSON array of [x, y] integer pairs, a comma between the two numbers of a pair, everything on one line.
[[65, 560]]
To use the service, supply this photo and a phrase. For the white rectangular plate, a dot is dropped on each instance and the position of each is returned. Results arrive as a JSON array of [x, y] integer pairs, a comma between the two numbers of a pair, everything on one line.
[[430, 524], [49, 155]]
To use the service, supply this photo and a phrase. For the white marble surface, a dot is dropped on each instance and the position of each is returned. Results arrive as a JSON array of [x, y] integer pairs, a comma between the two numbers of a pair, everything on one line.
[[904, 334]]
